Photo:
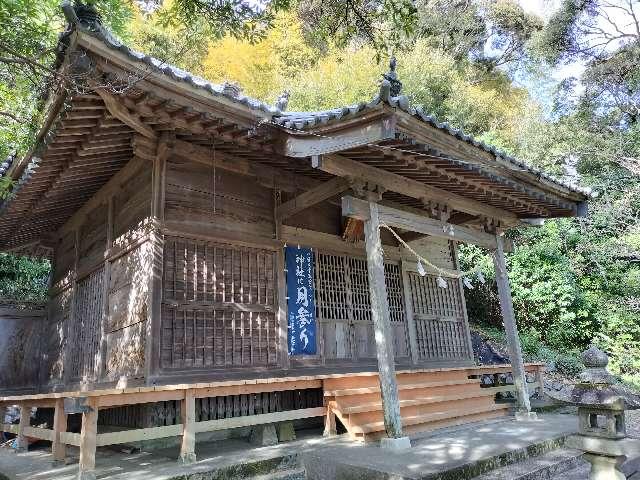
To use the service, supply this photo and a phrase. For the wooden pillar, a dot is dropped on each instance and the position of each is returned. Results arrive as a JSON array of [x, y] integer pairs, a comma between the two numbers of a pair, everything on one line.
[[69, 324], [88, 438], [59, 449], [156, 257], [25, 421], [101, 365], [511, 329], [283, 321], [382, 325], [188, 418]]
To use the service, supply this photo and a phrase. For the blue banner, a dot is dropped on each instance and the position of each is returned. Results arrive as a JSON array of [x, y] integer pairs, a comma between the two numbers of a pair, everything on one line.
[[301, 303]]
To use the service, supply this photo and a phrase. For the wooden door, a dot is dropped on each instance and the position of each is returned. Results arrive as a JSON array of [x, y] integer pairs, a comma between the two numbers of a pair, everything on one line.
[[442, 329], [343, 308]]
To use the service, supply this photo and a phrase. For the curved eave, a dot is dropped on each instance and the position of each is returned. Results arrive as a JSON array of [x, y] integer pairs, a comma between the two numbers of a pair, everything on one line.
[[162, 75], [425, 129]]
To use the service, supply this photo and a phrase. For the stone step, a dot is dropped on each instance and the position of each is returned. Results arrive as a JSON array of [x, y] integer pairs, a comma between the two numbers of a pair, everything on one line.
[[290, 474], [548, 466]]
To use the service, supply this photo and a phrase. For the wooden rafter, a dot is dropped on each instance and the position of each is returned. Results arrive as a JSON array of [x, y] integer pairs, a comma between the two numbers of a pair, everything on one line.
[[342, 166], [318, 194], [122, 113]]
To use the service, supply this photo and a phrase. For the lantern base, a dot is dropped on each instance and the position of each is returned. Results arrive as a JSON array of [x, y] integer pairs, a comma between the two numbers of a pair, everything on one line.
[[605, 468]]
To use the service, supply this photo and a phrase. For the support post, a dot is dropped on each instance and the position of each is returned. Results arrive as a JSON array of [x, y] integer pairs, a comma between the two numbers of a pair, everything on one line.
[[88, 438], [188, 416], [283, 321], [383, 333], [25, 420], [59, 449], [156, 257], [511, 330]]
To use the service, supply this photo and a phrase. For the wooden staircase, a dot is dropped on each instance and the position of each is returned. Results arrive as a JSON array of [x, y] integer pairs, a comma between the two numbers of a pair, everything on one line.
[[428, 400]]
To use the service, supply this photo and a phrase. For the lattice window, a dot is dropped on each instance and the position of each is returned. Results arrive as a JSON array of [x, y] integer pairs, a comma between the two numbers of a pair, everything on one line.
[[343, 306], [84, 330], [331, 286], [218, 306], [441, 326]]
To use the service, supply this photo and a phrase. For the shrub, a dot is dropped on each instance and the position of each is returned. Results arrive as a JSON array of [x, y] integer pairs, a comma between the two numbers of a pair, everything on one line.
[[569, 364]]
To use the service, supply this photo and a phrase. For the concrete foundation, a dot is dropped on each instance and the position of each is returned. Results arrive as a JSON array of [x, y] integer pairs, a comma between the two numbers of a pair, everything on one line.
[[458, 453], [395, 444]]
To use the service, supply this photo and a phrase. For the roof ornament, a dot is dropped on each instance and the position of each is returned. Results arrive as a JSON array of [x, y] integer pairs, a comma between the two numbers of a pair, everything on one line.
[[391, 87], [84, 14], [392, 77], [283, 101], [231, 89]]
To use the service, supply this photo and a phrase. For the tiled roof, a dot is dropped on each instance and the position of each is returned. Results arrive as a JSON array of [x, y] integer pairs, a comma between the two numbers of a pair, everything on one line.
[[305, 120], [97, 30]]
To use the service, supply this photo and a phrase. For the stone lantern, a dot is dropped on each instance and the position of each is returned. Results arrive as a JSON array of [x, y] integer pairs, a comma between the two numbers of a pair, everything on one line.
[[601, 413]]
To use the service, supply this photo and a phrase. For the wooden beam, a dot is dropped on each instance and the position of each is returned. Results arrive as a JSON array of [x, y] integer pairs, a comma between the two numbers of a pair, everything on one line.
[[88, 434], [260, 419], [380, 316], [138, 435], [306, 144], [59, 449], [188, 419], [356, 208], [322, 192], [511, 329], [345, 167], [122, 113], [268, 176]]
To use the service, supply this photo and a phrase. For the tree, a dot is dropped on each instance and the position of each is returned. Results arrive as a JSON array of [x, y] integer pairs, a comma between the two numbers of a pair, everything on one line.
[[605, 36]]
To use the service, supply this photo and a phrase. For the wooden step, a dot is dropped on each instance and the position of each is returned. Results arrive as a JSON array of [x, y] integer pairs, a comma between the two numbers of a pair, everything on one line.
[[425, 419], [374, 406], [409, 386]]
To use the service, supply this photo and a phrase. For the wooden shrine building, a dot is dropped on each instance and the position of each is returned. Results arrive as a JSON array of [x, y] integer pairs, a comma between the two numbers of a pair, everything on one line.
[[164, 203]]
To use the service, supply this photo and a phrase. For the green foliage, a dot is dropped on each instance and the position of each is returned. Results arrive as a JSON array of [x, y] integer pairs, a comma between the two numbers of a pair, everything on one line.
[[22, 278], [569, 364]]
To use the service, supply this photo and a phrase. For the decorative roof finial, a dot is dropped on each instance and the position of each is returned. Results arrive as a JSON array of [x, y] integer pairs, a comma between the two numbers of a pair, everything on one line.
[[231, 89], [88, 15], [392, 77], [283, 101]]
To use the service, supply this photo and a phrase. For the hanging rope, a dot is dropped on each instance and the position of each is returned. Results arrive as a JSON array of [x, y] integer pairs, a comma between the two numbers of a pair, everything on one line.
[[442, 272]]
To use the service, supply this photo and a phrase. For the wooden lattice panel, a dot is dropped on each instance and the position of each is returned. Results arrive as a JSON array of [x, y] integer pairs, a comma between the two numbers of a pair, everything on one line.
[[84, 329], [218, 305], [441, 327], [343, 306]]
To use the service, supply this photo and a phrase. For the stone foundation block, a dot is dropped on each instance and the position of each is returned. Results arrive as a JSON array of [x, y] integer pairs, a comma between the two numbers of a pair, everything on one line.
[[286, 432], [263, 435]]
